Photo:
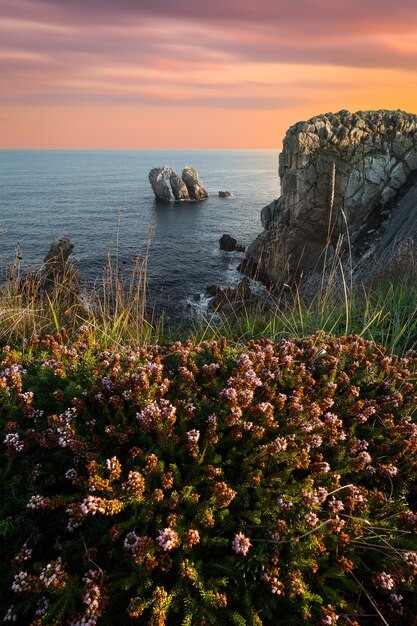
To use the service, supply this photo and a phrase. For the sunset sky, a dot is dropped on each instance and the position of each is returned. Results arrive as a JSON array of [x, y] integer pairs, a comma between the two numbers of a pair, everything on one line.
[[201, 74]]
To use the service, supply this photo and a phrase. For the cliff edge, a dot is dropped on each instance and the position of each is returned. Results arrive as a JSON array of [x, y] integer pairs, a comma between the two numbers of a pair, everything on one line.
[[348, 182]]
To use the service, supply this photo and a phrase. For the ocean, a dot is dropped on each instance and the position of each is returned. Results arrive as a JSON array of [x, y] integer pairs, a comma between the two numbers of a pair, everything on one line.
[[45, 193]]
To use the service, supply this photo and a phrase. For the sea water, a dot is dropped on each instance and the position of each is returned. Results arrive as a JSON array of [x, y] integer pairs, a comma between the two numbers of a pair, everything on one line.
[[86, 194]]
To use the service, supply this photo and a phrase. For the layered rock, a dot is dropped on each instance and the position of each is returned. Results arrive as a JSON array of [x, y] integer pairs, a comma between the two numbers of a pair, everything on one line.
[[342, 179], [179, 188], [159, 177], [195, 187]]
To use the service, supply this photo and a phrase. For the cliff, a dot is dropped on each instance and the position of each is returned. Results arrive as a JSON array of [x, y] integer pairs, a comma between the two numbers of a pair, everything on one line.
[[348, 181]]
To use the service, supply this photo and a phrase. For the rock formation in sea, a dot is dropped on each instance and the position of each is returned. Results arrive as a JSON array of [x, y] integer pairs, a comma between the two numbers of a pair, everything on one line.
[[57, 257], [185, 188], [230, 244], [195, 187], [348, 183]]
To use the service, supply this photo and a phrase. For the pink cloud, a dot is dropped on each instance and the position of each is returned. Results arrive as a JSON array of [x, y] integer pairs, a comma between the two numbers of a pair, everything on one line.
[[223, 55]]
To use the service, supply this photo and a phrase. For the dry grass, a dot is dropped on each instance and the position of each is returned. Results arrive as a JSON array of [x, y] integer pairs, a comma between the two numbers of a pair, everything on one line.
[[115, 307], [380, 306]]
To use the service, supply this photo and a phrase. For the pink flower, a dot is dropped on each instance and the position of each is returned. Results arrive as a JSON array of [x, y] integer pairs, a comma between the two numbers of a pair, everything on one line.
[[388, 470], [167, 539], [311, 519], [241, 544], [382, 580], [193, 436], [131, 541]]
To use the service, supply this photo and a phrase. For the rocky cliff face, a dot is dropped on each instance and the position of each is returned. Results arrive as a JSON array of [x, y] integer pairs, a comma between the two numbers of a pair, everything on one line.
[[344, 178]]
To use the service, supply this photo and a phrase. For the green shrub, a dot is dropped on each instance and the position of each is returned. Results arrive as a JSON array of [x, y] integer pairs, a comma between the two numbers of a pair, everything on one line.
[[269, 483]]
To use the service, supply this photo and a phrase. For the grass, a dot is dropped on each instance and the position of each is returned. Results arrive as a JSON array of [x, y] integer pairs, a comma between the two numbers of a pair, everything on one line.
[[381, 307], [114, 308]]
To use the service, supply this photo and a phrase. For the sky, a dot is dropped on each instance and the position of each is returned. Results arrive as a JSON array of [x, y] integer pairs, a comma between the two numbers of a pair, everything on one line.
[[176, 74]]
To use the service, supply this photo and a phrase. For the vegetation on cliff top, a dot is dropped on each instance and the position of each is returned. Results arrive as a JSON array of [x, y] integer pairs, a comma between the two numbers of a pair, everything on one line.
[[266, 483], [262, 478]]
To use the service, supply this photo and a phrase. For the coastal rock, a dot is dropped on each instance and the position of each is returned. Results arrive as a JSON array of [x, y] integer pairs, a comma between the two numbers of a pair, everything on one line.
[[225, 194], [57, 257], [194, 185], [212, 290], [229, 244], [58, 273], [231, 298], [159, 177], [179, 188], [164, 179], [240, 297], [340, 174]]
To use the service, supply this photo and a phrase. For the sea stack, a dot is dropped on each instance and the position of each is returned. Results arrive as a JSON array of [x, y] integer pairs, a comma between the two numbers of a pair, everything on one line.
[[165, 180]]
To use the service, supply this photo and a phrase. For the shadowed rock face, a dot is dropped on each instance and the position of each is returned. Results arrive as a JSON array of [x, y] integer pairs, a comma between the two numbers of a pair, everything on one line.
[[194, 185], [340, 173], [179, 188]]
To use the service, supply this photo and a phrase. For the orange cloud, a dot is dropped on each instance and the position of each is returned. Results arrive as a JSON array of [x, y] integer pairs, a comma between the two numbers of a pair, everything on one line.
[[134, 74]]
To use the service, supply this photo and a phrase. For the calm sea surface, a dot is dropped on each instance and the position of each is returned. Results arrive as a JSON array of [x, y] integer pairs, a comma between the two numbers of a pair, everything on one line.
[[79, 193]]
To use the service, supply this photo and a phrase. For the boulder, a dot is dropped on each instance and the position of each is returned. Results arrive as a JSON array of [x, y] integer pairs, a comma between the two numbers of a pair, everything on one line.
[[159, 177], [225, 194], [57, 273], [230, 298], [57, 257], [179, 188], [241, 297], [164, 179], [194, 185], [229, 244], [341, 176]]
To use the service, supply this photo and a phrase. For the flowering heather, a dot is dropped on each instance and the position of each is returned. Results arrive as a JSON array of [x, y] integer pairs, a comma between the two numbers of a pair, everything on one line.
[[258, 484]]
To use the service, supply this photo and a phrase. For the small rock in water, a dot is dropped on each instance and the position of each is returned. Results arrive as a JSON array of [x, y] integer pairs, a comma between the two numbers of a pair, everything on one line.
[[229, 244], [225, 194]]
